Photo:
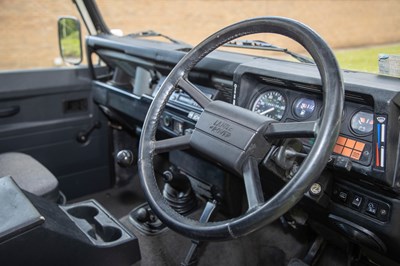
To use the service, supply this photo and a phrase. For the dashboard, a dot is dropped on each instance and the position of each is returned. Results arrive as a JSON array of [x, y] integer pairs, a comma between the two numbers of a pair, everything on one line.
[[361, 146], [286, 105], [285, 91], [361, 184]]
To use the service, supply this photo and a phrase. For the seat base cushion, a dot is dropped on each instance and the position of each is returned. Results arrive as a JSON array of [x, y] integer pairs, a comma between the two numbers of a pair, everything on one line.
[[29, 174]]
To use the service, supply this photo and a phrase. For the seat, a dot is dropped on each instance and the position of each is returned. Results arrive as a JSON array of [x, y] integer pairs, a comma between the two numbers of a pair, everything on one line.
[[30, 175]]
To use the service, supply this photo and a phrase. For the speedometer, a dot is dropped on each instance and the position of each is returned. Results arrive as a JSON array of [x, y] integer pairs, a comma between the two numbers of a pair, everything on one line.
[[271, 104]]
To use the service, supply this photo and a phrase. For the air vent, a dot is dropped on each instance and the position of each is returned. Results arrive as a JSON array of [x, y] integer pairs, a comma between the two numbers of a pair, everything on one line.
[[350, 96], [225, 88], [273, 81], [226, 93], [315, 89], [307, 87], [363, 99], [290, 84]]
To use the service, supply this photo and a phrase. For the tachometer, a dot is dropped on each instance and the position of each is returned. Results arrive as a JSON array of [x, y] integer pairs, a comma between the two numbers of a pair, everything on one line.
[[271, 104], [362, 122]]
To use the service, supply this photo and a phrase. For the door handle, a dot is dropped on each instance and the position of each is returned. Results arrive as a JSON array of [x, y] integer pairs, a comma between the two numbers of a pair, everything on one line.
[[9, 111]]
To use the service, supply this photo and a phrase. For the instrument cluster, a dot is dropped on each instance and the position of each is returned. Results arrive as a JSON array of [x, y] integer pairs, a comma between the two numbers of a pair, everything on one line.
[[278, 105], [285, 105]]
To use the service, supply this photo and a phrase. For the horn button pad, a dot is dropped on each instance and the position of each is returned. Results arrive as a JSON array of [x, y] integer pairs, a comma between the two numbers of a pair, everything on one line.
[[231, 134]]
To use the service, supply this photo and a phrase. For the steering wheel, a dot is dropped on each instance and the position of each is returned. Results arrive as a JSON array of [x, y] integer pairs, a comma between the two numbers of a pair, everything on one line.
[[240, 139]]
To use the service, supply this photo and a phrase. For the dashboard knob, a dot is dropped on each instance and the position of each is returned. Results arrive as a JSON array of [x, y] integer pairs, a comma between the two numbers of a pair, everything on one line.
[[125, 158]]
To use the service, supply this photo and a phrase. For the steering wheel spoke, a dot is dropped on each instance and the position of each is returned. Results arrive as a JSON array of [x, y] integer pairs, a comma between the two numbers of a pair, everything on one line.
[[167, 145], [305, 129], [252, 183], [194, 92]]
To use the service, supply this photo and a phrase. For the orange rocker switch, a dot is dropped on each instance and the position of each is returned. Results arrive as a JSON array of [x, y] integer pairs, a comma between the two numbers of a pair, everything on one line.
[[349, 148]]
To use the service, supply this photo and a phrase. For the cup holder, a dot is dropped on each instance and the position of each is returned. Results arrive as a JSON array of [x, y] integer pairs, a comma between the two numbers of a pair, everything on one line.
[[95, 223], [83, 212], [106, 233]]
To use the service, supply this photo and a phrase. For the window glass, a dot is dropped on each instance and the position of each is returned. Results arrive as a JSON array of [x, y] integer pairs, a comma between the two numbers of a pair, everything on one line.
[[360, 32], [364, 35]]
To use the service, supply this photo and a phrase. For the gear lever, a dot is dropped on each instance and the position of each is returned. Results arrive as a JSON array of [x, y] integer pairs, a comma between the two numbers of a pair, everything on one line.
[[178, 191]]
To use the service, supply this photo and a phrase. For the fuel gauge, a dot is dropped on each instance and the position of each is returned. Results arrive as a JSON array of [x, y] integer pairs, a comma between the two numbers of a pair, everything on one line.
[[304, 107]]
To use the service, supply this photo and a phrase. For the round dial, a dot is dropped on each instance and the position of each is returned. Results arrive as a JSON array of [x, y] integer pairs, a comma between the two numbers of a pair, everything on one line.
[[304, 107], [362, 122], [271, 104]]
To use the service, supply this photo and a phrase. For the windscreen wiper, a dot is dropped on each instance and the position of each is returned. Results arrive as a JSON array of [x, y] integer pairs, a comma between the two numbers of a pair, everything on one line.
[[151, 33], [261, 45]]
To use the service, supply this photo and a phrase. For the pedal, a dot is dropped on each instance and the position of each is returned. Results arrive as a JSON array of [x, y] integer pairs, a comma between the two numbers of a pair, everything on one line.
[[192, 256], [314, 249]]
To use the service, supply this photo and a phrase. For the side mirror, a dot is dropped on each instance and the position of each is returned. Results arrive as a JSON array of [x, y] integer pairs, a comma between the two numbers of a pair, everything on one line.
[[69, 39]]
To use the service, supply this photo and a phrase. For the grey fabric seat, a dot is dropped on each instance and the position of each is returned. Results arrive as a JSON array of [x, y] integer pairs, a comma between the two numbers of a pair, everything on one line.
[[29, 174]]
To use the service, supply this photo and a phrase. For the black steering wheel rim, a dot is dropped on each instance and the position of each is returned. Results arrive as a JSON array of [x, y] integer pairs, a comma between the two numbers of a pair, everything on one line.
[[292, 192]]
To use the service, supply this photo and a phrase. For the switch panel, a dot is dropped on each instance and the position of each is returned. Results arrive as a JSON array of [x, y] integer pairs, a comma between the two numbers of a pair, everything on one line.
[[361, 203]]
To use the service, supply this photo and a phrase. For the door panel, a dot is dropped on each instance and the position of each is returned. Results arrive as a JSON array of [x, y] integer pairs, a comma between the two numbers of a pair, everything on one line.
[[42, 112]]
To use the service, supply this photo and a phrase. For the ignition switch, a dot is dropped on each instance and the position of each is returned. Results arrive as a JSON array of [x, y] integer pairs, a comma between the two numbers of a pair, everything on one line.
[[288, 153]]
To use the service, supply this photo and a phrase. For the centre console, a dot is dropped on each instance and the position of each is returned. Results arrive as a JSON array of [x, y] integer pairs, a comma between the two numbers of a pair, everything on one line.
[[34, 231]]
